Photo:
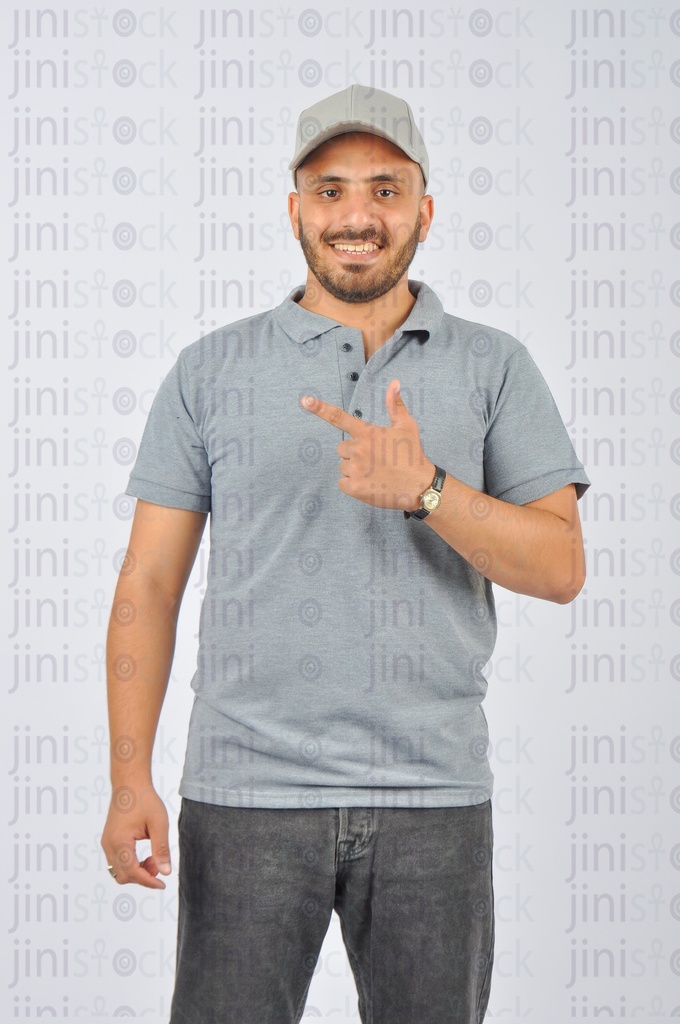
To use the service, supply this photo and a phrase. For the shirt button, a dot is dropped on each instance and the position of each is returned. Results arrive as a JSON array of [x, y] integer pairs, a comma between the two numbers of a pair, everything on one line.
[[346, 347], [353, 375], [358, 413]]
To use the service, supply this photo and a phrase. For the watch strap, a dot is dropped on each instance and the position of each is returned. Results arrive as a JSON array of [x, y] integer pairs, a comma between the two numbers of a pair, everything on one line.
[[437, 484]]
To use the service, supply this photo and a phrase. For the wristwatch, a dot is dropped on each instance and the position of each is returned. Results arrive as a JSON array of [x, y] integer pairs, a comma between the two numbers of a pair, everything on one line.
[[431, 498]]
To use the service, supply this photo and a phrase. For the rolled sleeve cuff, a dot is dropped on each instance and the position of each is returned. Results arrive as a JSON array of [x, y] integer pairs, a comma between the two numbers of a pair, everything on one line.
[[540, 487], [160, 494]]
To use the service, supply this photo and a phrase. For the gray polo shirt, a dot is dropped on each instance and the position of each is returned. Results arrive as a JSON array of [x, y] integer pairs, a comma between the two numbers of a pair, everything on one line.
[[342, 646]]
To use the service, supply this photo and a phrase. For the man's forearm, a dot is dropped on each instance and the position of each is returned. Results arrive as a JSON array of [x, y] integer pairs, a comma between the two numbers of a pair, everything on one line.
[[533, 549], [524, 549], [141, 643], [140, 648]]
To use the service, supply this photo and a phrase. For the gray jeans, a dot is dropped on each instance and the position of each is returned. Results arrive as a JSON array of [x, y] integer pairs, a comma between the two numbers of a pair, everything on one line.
[[412, 888]]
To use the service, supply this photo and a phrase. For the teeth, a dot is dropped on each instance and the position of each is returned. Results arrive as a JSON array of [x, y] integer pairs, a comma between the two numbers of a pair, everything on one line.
[[365, 247]]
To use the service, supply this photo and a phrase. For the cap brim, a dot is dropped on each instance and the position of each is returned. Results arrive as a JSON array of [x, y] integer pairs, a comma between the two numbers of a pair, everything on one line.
[[345, 129]]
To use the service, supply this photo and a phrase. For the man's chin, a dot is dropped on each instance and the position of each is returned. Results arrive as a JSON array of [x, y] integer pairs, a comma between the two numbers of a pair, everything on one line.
[[357, 294], [355, 282]]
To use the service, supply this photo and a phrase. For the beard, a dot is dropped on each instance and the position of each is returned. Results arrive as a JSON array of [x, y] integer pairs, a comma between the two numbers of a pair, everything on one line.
[[358, 282]]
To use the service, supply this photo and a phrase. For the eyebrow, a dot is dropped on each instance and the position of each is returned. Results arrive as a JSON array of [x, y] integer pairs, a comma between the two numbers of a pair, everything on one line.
[[337, 178]]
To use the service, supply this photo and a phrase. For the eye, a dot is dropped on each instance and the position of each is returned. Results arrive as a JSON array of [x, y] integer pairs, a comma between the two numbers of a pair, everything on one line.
[[385, 193], [330, 192]]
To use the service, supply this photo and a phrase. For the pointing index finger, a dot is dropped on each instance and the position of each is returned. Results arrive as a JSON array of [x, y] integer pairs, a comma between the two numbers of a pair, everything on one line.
[[332, 414]]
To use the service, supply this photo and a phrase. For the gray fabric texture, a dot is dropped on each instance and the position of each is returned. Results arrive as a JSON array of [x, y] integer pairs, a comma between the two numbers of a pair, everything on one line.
[[412, 888], [342, 646]]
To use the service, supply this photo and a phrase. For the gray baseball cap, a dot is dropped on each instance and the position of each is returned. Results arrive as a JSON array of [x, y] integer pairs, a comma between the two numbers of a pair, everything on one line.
[[360, 109]]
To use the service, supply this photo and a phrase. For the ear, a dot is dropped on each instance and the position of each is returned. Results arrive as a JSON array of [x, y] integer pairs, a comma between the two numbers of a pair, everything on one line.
[[426, 215], [293, 212]]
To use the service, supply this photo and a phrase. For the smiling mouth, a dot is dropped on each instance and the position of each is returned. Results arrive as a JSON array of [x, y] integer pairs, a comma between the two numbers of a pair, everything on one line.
[[362, 247]]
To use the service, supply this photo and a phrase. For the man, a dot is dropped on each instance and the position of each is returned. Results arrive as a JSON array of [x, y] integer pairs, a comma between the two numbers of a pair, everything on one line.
[[337, 748]]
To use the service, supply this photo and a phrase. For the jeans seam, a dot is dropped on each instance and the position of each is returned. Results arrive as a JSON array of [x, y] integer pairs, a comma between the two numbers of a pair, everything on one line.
[[358, 979], [489, 961]]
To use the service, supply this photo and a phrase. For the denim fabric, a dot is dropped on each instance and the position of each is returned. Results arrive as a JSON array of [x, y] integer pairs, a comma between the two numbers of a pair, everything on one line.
[[412, 888]]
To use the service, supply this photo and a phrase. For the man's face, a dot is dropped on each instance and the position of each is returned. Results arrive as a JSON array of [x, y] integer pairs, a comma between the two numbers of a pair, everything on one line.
[[359, 214]]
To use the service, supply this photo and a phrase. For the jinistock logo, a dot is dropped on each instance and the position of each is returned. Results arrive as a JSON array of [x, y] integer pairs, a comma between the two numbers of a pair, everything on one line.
[[369, 26], [79, 25]]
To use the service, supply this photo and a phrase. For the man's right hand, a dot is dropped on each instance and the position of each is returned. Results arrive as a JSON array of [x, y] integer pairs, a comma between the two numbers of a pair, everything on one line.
[[137, 813]]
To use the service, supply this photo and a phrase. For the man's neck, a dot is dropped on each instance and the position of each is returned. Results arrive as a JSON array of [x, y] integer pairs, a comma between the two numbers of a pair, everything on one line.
[[377, 320]]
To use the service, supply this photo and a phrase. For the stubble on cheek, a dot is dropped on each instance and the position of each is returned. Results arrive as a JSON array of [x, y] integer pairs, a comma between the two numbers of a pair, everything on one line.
[[344, 282]]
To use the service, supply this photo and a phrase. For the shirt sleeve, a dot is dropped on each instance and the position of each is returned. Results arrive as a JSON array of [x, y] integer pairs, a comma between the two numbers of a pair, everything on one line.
[[527, 451], [172, 466]]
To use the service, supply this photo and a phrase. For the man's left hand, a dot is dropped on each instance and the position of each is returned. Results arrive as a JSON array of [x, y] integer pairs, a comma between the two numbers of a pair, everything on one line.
[[382, 466]]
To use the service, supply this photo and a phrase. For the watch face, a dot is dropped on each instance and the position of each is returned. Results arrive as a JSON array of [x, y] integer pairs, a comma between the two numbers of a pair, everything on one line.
[[431, 499]]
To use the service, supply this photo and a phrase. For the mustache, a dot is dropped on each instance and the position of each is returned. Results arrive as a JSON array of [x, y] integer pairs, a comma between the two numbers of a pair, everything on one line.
[[368, 235]]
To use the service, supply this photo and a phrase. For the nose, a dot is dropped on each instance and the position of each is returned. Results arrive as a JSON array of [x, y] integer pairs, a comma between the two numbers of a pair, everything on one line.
[[357, 212]]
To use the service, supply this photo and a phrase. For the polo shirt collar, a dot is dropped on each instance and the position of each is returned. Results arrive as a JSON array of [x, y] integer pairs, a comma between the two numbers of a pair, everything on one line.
[[302, 324]]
